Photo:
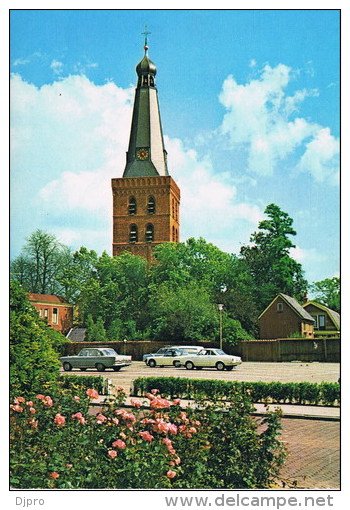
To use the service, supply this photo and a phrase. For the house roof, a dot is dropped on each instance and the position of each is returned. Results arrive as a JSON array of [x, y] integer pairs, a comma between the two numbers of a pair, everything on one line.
[[77, 334], [45, 298], [298, 309], [332, 314]]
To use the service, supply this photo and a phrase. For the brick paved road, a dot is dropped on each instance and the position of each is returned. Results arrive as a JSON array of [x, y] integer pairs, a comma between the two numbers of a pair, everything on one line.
[[313, 453]]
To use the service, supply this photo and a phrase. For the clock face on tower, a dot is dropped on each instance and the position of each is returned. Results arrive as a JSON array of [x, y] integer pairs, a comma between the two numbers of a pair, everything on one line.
[[142, 154]]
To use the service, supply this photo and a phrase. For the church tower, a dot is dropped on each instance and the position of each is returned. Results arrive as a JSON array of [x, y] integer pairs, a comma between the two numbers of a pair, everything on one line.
[[146, 199]]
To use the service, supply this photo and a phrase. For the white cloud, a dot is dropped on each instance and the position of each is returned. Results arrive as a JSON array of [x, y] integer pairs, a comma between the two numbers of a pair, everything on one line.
[[258, 118], [57, 66], [321, 157], [69, 140]]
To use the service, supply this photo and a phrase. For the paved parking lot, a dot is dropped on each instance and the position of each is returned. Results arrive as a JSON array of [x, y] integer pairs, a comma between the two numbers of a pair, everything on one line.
[[248, 371]]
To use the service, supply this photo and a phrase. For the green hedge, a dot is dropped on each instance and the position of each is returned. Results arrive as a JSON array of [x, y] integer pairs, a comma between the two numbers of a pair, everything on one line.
[[98, 383], [273, 392]]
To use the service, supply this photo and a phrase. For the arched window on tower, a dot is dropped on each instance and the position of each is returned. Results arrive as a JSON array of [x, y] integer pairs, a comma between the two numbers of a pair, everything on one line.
[[174, 236], [132, 205], [149, 233], [151, 205], [133, 234]]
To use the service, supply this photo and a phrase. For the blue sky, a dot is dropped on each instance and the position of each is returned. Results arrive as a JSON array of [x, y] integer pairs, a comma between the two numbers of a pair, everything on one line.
[[250, 111]]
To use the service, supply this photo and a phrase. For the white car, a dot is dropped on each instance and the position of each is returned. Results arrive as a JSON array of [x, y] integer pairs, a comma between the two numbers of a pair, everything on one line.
[[210, 358], [170, 356]]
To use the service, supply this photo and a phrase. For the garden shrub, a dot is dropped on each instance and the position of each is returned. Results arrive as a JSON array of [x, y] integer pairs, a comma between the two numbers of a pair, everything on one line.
[[272, 392], [96, 382], [33, 359], [56, 443]]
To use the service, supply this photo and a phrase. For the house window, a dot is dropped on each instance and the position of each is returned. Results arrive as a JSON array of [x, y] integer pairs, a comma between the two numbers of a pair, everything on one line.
[[321, 322], [132, 205], [46, 313], [133, 234], [151, 205], [279, 307], [40, 312], [316, 321], [149, 233], [55, 316], [174, 235]]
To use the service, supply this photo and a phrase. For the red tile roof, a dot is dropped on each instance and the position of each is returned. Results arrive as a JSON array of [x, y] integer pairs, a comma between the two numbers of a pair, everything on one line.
[[45, 298]]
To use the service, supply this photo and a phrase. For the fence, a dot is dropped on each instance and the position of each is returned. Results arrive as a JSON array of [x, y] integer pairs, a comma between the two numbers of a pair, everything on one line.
[[282, 349]]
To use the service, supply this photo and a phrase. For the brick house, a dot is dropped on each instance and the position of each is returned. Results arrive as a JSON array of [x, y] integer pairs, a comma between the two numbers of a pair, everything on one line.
[[285, 317], [54, 309], [327, 321]]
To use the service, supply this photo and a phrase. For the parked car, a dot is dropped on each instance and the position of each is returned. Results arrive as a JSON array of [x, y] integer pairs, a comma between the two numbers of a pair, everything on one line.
[[210, 358], [99, 358], [185, 349]]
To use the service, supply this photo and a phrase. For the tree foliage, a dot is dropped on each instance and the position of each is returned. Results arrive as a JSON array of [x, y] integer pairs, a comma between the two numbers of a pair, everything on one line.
[[327, 292], [176, 296], [33, 345], [268, 258]]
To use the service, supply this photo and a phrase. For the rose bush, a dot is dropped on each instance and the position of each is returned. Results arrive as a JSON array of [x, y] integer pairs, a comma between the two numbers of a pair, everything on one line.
[[57, 441]]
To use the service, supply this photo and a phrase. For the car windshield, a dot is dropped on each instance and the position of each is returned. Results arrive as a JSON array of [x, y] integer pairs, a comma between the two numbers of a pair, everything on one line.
[[108, 352]]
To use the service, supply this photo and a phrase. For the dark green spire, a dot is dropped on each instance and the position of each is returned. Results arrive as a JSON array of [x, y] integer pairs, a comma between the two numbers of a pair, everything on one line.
[[146, 154]]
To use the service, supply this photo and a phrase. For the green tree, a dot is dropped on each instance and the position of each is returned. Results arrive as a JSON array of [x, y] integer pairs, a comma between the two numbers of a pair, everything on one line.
[[95, 331], [34, 346], [116, 291], [268, 258], [327, 292], [43, 265]]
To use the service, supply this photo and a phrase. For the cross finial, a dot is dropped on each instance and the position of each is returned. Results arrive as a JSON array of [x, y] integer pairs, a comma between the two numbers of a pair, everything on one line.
[[146, 33]]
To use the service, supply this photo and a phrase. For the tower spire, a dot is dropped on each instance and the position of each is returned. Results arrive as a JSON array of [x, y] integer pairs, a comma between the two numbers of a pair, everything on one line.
[[146, 154]]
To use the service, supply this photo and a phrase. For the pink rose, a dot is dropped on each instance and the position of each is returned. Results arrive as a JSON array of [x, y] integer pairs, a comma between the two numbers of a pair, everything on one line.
[[40, 396], [54, 475], [59, 420], [19, 400], [101, 418], [92, 393], [79, 417], [76, 398], [16, 408], [48, 401], [146, 436], [29, 403], [135, 402], [112, 454], [32, 410], [119, 444], [171, 474]]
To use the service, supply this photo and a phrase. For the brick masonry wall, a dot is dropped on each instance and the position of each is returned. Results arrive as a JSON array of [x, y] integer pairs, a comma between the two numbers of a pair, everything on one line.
[[165, 219]]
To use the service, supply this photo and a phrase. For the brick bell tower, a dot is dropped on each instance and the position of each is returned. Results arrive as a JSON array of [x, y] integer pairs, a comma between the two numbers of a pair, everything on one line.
[[146, 199]]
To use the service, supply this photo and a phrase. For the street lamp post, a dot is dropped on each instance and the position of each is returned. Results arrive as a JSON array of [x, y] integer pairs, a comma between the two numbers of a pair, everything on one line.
[[220, 306]]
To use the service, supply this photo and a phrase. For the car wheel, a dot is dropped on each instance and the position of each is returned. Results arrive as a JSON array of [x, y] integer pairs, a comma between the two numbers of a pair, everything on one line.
[[220, 365], [229, 368], [67, 367], [177, 363], [100, 367], [152, 363], [116, 369], [189, 365]]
